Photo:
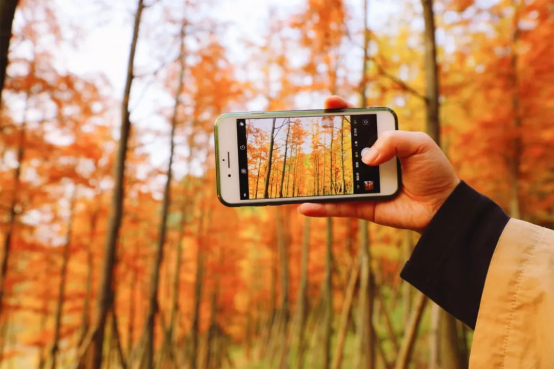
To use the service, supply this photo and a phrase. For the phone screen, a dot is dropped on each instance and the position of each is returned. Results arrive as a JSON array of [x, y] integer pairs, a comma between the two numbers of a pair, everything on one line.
[[306, 156]]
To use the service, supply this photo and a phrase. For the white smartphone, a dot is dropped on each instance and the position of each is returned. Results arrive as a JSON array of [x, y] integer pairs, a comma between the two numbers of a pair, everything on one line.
[[271, 158]]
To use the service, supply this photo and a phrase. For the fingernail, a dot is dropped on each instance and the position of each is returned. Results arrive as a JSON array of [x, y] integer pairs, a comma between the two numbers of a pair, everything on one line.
[[370, 156]]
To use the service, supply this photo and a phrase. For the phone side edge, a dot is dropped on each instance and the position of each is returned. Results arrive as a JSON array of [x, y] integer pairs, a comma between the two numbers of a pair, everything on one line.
[[217, 166]]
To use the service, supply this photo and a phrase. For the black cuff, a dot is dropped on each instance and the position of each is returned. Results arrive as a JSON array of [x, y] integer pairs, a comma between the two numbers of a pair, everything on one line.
[[450, 262]]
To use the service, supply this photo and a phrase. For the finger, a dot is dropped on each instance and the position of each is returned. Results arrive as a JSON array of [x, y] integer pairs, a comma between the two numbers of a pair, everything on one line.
[[401, 144], [363, 210], [336, 102]]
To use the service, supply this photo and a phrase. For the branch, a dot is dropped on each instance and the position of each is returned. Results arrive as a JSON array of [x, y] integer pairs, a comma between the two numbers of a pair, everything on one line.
[[398, 81]]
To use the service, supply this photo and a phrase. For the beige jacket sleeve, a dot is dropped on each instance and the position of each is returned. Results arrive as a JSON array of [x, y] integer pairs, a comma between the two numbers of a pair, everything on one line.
[[515, 325]]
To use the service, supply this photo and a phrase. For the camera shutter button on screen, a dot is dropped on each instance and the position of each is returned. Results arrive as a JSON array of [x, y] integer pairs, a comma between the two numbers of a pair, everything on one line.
[[364, 150]]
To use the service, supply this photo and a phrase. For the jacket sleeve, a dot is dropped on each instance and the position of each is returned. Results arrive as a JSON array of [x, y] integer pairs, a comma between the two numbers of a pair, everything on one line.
[[515, 323]]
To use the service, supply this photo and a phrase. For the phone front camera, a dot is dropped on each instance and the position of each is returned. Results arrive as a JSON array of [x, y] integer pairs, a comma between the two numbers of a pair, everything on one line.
[[229, 175]]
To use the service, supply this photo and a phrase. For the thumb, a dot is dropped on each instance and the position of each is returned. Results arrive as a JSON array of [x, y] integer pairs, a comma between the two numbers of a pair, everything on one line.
[[401, 144]]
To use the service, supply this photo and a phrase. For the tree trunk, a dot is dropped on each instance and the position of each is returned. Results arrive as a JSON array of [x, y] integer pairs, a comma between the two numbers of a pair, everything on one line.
[[90, 355], [407, 346], [12, 215], [85, 320], [7, 12], [197, 295], [284, 160], [63, 279], [148, 354], [282, 242], [269, 158], [345, 313], [514, 162], [302, 296], [258, 176], [331, 169], [431, 73], [365, 353], [442, 349], [342, 155], [365, 60], [328, 298]]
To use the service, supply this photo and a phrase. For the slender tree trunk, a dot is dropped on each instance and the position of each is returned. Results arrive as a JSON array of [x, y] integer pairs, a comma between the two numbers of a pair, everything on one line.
[[258, 176], [90, 354], [515, 160], [431, 72], [365, 60], [342, 155], [269, 158], [63, 279], [331, 169], [328, 298], [7, 12], [282, 242], [365, 353], [148, 354], [85, 320], [284, 161], [346, 314], [195, 330], [12, 215], [323, 179], [407, 346], [302, 296], [442, 350]]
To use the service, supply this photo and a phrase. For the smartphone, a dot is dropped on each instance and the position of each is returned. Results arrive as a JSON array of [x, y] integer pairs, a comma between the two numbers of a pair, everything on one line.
[[271, 158]]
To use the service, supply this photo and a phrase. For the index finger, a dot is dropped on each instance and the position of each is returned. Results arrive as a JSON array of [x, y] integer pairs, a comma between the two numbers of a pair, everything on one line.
[[336, 102]]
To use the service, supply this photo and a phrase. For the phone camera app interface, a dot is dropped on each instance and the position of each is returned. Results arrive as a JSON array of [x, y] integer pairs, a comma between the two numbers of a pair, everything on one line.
[[306, 156]]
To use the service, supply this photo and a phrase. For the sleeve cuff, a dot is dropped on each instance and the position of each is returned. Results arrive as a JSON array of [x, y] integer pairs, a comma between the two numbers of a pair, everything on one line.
[[450, 262]]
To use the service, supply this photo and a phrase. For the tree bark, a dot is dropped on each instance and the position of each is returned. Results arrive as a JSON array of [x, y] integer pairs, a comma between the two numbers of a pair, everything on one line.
[[91, 355], [282, 242], [328, 298], [12, 215], [407, 346], [444, 349], [63, 279], [85, 320], [342, 154], [346, 314], [284, 160], [515, 161], [431, 73], [7, 12], [148, 354], [365, 60], [365, 353], [302, 296], [269, 158], [197, 295]]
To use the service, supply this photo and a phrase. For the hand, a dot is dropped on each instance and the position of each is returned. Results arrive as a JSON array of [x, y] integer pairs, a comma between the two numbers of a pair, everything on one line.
[[427, 176]]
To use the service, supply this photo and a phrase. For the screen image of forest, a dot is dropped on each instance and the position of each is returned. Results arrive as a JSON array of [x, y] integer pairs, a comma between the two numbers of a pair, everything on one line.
[[296, 157]]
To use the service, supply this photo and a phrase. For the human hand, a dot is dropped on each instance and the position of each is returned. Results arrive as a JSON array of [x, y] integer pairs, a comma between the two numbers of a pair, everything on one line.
[[427, 180]]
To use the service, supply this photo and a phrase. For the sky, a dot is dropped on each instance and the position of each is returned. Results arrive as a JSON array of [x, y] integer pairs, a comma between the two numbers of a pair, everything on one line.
[[105, 36]]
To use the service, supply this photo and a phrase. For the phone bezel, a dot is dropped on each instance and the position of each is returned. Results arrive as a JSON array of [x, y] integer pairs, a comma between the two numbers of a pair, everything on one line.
[[228, 187]]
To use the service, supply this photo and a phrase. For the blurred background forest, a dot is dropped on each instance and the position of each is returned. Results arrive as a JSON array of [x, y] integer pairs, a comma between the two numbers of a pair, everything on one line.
[[115, 249]]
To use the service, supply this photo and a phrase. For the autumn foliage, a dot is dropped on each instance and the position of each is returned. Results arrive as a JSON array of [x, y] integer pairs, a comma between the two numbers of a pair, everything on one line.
[[113, 255]]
